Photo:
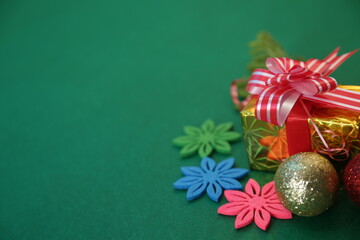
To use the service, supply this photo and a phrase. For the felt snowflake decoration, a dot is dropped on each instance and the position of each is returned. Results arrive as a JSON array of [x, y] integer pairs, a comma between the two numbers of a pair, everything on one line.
[[206, 138], [254, 205], [210, 177]]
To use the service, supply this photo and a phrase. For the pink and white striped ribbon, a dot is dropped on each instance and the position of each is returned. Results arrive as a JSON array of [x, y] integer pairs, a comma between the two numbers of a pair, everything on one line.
[[286, 80]]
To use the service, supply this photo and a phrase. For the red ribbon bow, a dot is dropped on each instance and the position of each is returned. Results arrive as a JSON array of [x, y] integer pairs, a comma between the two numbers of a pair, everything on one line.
[[287, 80]]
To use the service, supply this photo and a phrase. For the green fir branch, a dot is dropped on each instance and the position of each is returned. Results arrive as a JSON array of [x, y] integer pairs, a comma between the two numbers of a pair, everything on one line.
[[263, 47]]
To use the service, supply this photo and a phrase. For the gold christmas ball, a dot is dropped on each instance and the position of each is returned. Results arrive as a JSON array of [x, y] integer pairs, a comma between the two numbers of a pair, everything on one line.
[[306, 184]]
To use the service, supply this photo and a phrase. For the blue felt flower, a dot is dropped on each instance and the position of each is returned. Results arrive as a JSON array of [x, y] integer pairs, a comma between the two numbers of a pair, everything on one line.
[[210, 177]]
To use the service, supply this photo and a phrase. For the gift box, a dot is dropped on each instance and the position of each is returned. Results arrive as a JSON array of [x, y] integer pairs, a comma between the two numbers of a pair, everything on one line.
[[326, 122], [267, 145]]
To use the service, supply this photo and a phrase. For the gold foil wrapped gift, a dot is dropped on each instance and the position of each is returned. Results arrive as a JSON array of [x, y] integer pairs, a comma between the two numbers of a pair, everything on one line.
[[267, 144]]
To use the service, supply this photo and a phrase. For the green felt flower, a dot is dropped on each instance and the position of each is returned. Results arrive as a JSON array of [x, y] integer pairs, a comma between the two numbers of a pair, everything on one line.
[[207, 138]]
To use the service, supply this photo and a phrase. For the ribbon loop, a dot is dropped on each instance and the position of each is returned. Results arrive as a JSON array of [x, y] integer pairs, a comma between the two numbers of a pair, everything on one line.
[[287, 80]]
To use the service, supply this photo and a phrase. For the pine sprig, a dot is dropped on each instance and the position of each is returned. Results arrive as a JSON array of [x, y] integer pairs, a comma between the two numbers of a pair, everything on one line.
[[263, 47]]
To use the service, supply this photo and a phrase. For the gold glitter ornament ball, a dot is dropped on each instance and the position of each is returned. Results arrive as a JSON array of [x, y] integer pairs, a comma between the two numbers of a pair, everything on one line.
[[306, 184]]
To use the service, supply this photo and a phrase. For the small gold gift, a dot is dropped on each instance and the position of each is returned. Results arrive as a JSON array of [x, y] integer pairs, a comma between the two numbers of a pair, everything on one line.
[[267, 144]]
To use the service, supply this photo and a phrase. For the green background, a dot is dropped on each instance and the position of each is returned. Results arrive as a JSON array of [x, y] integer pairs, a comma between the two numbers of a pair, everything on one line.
[[93, 92]]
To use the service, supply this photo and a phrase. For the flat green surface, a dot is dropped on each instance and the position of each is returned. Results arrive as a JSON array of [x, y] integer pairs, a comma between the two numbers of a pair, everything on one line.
[[92, 93]]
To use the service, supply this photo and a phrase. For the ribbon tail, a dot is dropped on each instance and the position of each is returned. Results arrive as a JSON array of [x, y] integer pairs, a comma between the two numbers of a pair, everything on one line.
[[332, 55], [335, 62], [342, 98]]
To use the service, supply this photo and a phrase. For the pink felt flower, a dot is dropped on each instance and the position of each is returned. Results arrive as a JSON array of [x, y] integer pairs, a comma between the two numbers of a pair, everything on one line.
[[254, 205]]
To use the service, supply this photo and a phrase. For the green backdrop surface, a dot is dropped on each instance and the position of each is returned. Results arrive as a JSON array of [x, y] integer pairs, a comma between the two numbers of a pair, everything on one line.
[[92, 93]]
